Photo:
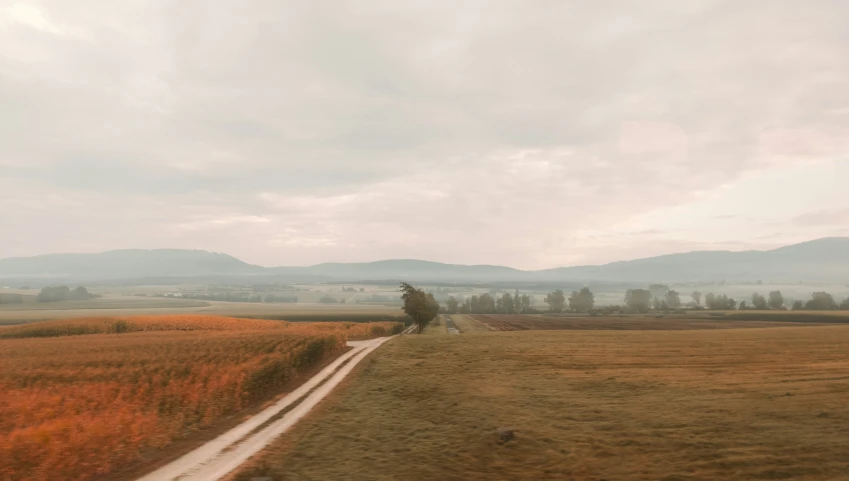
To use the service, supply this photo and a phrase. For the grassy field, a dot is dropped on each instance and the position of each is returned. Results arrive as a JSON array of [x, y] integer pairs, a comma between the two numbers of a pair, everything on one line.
[[134, 306], [524, 322], [83, 398], [109, 303], [585, 405], [467, 323]]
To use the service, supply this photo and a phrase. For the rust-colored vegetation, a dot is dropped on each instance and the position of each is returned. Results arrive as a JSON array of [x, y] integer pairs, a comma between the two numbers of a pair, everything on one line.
[[83, 397]]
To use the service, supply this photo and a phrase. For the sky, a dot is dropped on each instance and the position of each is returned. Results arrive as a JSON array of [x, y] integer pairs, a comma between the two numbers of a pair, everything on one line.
[[527, 133]]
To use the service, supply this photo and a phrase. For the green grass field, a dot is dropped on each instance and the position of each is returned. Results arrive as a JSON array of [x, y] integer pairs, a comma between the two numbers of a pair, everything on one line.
[[767, 403]]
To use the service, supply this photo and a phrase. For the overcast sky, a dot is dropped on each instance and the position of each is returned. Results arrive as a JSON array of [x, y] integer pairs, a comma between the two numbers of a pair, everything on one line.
[[526, 133]]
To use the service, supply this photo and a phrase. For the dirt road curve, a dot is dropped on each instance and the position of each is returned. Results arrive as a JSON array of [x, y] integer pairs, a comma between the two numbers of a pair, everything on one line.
[[215, 459]]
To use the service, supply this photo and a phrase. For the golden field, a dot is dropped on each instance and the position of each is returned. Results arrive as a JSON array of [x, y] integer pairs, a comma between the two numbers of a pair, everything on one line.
[[81, 398]]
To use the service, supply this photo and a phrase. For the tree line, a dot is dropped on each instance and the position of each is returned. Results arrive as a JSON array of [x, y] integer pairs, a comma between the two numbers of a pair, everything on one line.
[[63, 293], [643, 300], [517, 303], [656, 297]]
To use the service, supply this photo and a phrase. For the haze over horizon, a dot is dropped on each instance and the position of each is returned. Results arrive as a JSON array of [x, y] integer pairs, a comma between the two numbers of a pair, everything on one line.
[[530, 135], [367, 261]]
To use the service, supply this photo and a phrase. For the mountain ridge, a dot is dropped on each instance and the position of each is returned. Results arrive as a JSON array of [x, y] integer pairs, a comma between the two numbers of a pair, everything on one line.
[[825, 259]]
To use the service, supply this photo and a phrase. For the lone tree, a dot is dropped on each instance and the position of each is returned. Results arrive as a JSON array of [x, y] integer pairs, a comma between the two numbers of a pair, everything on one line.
[[556, 301], [418, 305]]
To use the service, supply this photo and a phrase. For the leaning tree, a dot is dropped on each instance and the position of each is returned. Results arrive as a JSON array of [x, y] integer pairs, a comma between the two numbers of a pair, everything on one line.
[[421, 307]]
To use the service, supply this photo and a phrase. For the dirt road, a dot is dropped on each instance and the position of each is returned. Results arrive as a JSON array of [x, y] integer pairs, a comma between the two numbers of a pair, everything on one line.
[[215, 459]]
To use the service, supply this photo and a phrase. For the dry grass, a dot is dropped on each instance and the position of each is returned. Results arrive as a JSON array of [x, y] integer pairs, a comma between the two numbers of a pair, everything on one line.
[[117, 325], [16, 314], [588, 405], [83, 398], [467, 323], [524, 322]]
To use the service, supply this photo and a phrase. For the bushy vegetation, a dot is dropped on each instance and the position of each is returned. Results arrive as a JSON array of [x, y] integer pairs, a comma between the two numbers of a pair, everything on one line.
[[63, 293]]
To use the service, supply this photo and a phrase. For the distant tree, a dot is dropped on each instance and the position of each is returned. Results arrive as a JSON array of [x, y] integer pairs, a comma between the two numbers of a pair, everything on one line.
[[80, 294], [821, 301], [517, 301], [421, 307], [776, 300], [487, 304], [673, 299], [583, 300], [475, 305], [452, 305], [697, 298], [659, 290], [270, 298], [844, 305], [798, 306], [54, 294], [743, 306], [556, 301], [759, 302], [710, 300], [466, 307], [507, 303], [656, 303], [526, 303], [638, 299], [328, 300], [719, 302]]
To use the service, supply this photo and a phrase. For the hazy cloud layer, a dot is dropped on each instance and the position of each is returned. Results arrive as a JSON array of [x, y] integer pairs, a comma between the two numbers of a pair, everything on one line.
[[528, 133]]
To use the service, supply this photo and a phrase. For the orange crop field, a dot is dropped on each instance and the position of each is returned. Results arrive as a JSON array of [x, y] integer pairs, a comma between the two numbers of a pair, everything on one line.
[[83, 397]]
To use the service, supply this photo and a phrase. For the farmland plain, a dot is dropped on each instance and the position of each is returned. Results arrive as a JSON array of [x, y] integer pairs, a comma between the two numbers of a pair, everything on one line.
[[718, 404]]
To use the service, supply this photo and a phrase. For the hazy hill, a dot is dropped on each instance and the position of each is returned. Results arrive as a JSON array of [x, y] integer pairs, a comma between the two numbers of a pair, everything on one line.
[[823, 260], [414, 269], [125, 264]]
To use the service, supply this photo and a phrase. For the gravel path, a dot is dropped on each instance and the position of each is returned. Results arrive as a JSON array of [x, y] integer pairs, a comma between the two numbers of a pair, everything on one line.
[[215, 459]]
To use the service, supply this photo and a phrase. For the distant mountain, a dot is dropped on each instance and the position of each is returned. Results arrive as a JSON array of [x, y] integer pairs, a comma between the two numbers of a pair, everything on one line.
[[823, 260], [125, 264], [414, 269]]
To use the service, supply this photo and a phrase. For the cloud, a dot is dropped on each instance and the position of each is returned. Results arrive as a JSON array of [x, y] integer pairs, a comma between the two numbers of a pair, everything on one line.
[[492, 132], [832, 217]]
